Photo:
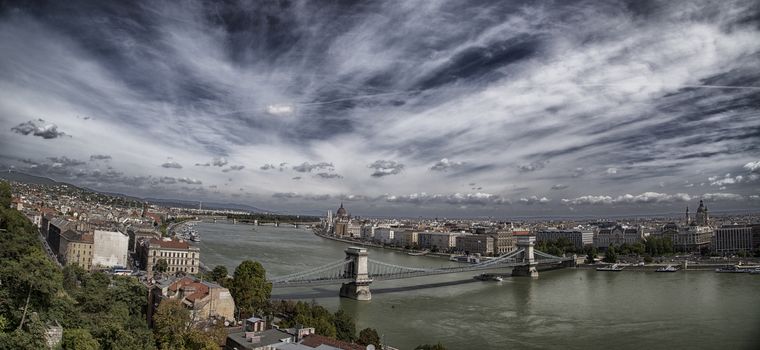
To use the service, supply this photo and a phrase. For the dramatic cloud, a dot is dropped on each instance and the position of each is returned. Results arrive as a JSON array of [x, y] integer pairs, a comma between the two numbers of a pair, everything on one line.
[[385, 168], [534, 200], [600, 98], [167, 180], [234, 168], [100, 157], [38, 128], [713, 197], [445, 164], [525, 168], [306, 167], [64, 161], [171, 165], [294, 195], [189, 181], [753, 167], [647, 197], [329, 176], [220, 162]]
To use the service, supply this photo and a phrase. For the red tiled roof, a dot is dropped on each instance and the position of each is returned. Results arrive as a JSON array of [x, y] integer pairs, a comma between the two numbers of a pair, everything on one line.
[[172, 244], [521, 233], [201, 290], [315, 340]]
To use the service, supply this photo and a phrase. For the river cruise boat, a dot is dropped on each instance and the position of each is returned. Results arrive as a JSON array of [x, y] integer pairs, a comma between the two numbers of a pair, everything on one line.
[[731, 269], [669, 268], [614, 268], [489, 277], [755, 271]]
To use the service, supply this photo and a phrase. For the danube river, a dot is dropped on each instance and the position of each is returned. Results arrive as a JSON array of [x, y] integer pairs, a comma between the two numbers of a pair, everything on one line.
[[562, 309]]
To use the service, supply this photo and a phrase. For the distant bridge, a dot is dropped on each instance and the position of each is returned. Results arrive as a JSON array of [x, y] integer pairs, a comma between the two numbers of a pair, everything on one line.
[[356, 272]]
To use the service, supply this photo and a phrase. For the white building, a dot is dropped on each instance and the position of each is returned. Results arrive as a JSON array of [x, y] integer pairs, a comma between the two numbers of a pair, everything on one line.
[[440, 241], [733, 239], [580, 238], [110, 249], [384, 235]]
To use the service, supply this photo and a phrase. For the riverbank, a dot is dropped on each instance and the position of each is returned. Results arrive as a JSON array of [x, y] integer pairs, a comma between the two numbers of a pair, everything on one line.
[[375, 245]]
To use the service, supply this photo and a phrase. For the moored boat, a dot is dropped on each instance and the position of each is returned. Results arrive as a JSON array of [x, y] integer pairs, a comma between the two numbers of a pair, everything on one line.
[[669, 268], [731, 269], [614, 268]]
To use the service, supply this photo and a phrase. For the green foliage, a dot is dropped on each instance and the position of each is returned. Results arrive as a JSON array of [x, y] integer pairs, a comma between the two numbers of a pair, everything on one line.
[[250, 288], [171, 323], [345, 328], [369, 336], [438, 346], [557, 247], [611, 255], [111, 310], [5, 194], [658, 246], [591, 254], [220, 275], [161, 266], [79, 339]]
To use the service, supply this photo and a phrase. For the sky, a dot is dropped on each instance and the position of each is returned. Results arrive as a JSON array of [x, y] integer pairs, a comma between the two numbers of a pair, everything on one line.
[[409, 108]]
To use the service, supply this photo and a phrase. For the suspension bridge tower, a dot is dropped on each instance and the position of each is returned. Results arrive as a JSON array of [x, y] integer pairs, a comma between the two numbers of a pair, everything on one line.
[[526, 243], [357, 270]]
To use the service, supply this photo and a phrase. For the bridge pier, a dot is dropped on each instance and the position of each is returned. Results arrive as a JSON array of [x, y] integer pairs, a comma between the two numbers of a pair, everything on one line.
[[526, 243], [358, 289]]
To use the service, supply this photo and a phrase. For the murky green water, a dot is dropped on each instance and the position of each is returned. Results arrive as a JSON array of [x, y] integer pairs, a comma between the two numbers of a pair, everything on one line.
[[562, 309]]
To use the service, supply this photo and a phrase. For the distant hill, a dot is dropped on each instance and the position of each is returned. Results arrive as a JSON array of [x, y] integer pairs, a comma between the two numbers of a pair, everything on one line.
[[26, 178], [206, 205], [168, 202]]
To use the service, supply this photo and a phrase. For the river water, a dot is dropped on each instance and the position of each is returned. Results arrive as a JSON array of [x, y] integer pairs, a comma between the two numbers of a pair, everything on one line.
[[562, 309]]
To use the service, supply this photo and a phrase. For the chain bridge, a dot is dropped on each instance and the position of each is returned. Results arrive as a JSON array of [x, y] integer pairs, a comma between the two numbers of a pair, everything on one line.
[[356, 272]]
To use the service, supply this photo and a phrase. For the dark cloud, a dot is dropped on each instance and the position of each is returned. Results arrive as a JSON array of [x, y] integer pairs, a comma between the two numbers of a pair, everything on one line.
[[65, 161], [190, 181], [294, 195], [202, 164], [234, 168], [306, 167], [445, 164], [171, 165], [220, 162], [38, 128], [99, 157], [559, 187], [525, 168], [385, 168], [268, 167], [296, 178], [167, 180], [329, 176]]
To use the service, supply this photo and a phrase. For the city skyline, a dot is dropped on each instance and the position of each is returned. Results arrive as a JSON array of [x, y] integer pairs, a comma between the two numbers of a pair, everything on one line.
[[432, 108]]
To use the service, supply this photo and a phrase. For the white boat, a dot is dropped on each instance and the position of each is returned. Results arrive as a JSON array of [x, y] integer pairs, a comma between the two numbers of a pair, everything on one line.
[[669, 268], [614, 268]]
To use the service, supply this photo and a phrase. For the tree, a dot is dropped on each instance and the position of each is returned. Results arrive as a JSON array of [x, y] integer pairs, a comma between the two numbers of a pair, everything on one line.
[[345, 327], [250, 288], [5, 194], [591, 255], [438, 346], [161, 266], [369, 336], [219, 274], [79, 339], [171, 323], [610, 256]]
